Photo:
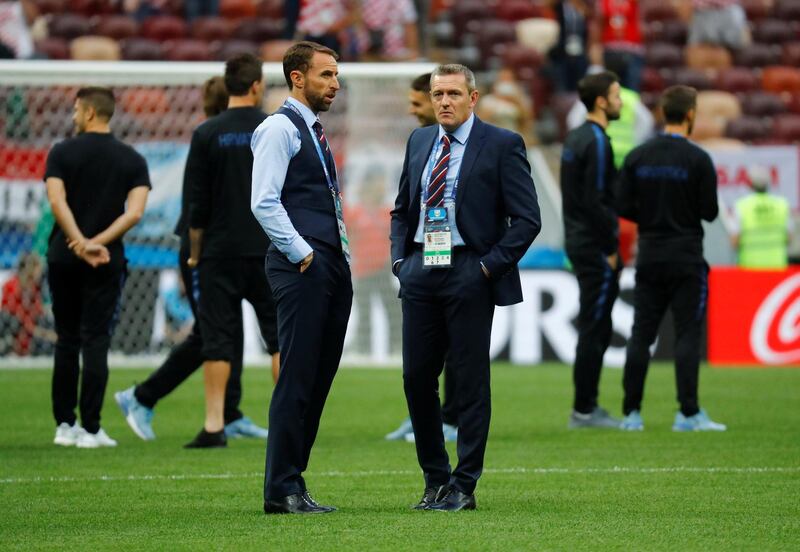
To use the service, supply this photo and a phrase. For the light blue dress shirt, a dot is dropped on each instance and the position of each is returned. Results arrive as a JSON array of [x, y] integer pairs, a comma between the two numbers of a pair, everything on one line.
[[275, 142], [457, 147]]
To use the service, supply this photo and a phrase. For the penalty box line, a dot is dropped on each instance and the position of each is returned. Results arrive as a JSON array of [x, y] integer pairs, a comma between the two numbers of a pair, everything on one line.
[[382, 473]]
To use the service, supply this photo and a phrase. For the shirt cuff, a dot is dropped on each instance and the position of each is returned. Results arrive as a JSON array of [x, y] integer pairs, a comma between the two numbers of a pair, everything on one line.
[[396, 265], [298, 250]]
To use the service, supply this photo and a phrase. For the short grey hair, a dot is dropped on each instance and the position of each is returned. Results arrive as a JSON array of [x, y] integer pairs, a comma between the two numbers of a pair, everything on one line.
[[455, 69]]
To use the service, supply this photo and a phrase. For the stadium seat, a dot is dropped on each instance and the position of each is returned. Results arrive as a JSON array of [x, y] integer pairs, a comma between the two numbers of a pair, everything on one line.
[[95, 48], [652, 80], [763, 104], [229, 48], [141, 49], [258, 30], [786, 129], [658, 11], [144, 99], [273, 50], [756, 9], [650, 99], [469, 10], [520, 58], [747, 129], [93, 7], [51, 6], [118, 27], [787, 10], [781, 79], [672, 31], [537, 33], [53, 48], [757, 55], [703, 56], [235, 9], [561, 105], [663, 55], [492, 34], [68, 26], [163, 27], [791, 54], [211, 28], [772, 31], [187, 49], [792, 102], [515, 10], [738, 79], [717, 104], [690, 77], [272, 9]]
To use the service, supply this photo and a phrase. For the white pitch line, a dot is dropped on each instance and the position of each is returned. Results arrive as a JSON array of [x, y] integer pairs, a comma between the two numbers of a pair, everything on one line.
[[382, 473]]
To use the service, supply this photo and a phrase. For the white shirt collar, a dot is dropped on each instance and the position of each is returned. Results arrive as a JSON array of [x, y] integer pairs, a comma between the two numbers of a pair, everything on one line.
[[308, 116]]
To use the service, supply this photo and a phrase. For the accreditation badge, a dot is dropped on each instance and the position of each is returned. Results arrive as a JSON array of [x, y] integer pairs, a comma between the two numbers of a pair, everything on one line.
[[437, 246], [337, 205]]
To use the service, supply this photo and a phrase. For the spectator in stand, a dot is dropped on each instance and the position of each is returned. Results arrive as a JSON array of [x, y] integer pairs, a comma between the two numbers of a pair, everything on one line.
[[16, 19], [326, 21], [27, 325], [570, 56], [508, 106], [142, 9], [719, 22], [391, 27], [616, 40], [193, 9]]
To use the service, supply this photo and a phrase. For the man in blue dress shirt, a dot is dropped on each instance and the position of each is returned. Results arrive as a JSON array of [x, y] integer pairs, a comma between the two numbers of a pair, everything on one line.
[[295, 197]]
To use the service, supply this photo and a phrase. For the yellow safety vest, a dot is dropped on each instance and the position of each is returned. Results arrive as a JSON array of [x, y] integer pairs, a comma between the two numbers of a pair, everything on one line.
[[762, 233], [622, 132]]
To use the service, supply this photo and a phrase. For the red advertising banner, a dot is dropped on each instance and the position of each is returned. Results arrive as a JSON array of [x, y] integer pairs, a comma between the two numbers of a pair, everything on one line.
[[754, 317]]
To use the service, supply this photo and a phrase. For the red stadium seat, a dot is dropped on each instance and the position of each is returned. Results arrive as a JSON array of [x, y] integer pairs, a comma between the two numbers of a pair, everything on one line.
[[704, 56], [792, 102], [259, 30], [763, 104], [69, 26], [663, 55], [690, 77], [786, 128], [469, 10], [756, 9], [51, 6], [758, 55], [791, 54], [658, 11], [516, 10], [650, 99], [747, 129], [493, 33], [787, 10], [235, 9], [93, 7], [229, 48], [781, 79], [652, 80], [187, 49], [118, 27], [211, 28], [272, 9], [738, 79], [53, 48], [141, 49], [772, 31], [520, 58], [163, 27], [671, 31]]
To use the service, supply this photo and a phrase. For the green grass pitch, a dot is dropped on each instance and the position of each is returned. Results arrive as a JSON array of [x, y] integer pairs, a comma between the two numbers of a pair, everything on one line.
[[544, 488]]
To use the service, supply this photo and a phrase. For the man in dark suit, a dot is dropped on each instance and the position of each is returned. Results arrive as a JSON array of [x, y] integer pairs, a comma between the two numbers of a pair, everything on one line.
[[466, 212]]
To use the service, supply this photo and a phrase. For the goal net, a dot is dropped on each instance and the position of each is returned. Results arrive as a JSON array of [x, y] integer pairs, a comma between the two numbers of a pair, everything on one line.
[[158, 106]]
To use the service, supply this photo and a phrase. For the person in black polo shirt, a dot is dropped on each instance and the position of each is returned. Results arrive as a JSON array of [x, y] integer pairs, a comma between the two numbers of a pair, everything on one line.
[[89, 178], [668, 186], [227, 243], [591, 239], [138, 402]]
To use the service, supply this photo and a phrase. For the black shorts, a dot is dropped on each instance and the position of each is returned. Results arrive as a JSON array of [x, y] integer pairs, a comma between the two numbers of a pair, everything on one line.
[[224, 282]]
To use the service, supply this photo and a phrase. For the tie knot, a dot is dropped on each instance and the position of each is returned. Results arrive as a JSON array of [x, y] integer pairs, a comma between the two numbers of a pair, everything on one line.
[[448, 139]]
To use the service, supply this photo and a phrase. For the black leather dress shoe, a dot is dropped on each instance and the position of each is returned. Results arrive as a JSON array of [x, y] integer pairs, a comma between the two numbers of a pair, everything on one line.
[[454, 501], [310, 499], [430, 496], [299, 503]]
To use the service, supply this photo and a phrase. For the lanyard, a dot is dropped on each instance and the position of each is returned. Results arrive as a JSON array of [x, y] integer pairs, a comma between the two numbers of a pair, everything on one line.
[[431, 164], [332, 185]]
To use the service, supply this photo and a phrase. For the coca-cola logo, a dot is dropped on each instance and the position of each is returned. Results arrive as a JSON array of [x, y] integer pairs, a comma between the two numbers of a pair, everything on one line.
[[775, 333]]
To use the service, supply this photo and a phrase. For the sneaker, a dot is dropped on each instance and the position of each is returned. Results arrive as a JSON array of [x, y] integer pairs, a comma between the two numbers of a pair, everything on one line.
[[698, 422], [67, 435], [450, 433], [632, 422], [599, 417], [138, 416], [206, 439], [401, 432], [244, 427], [95, 440]]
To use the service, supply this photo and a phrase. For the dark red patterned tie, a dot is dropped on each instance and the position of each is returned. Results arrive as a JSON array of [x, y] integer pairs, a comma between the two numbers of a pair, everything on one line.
[[326, 150], [437, 184]]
